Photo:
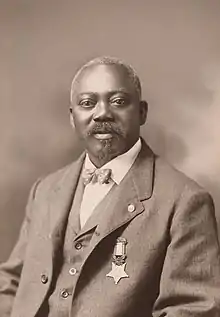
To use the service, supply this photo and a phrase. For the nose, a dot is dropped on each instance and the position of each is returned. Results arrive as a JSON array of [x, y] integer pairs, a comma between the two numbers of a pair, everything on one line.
[[102, 112]]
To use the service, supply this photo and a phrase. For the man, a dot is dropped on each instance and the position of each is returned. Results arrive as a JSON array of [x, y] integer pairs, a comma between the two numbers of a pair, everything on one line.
[[119, 232]]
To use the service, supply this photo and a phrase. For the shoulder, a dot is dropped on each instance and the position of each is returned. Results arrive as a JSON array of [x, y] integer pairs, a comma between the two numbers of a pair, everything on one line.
[[165, 177], [57, 179], [168, 174], [170, 182]]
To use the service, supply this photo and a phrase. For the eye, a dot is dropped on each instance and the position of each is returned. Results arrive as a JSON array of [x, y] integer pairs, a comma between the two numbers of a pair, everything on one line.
[[87, 103], [118, 101]]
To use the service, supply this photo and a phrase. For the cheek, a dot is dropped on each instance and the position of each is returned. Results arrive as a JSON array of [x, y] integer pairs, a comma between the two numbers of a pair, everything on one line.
[[81, 120], [129, 120]]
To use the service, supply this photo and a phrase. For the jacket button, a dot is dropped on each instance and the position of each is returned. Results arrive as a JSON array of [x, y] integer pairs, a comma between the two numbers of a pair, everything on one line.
[[44, 278], [64, 293], [78, 245]]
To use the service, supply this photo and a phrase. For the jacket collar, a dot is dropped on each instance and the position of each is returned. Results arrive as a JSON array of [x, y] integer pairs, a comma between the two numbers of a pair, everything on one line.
[[142, 172]]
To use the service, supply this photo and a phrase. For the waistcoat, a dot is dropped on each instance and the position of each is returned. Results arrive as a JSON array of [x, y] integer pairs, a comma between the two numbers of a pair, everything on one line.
[[75, 249]]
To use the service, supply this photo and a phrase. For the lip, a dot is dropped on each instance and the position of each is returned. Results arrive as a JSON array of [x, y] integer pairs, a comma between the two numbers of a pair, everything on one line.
[[103, 136]]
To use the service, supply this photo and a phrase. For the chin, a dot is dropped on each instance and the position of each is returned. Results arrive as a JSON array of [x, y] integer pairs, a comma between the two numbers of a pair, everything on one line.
[[108, 149]]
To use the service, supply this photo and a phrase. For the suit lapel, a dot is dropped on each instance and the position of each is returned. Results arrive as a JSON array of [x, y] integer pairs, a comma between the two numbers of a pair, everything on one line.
[[126, 200], [60, 202]]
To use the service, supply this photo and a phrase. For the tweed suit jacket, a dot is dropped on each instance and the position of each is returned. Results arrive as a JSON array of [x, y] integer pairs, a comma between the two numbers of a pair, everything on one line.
[[172, 247]]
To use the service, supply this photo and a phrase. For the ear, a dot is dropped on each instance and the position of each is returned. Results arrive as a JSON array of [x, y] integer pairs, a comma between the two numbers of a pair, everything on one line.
[[71, 118], [143, 111]]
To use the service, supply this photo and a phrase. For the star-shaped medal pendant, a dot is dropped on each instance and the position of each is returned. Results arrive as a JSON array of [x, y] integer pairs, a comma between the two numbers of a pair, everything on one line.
[[117, 272]]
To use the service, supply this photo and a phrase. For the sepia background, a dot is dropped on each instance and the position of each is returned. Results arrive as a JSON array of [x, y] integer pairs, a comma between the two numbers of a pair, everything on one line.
[[173, 45]]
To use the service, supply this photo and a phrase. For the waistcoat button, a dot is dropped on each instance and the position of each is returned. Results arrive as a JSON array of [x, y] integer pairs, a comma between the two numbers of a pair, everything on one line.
[[64, 293], [44, 278], [78, 245]]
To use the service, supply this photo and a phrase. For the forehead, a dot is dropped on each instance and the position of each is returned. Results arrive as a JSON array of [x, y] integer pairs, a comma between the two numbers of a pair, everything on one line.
[[104, 78]]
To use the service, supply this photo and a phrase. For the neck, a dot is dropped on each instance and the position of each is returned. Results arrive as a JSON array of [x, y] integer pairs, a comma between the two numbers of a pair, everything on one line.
[[100, 161]]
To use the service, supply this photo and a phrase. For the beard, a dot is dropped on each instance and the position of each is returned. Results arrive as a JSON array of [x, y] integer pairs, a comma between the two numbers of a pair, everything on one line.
[[107, 152], [112, 147]]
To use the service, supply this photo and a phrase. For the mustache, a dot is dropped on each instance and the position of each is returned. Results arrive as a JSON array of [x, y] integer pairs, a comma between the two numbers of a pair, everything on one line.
[[106, 127]]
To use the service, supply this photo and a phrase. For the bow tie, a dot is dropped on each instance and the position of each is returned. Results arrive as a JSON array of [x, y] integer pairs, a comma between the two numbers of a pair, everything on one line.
[[94, 175]]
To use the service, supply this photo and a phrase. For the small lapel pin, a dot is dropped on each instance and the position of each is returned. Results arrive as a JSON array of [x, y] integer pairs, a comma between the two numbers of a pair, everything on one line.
[[131, 208]]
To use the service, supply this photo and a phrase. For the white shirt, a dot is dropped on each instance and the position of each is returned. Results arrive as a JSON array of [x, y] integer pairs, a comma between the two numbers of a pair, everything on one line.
[[95, 192]]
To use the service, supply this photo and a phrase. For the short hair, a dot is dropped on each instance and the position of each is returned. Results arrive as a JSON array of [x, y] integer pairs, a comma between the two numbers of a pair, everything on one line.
[[106, 60]]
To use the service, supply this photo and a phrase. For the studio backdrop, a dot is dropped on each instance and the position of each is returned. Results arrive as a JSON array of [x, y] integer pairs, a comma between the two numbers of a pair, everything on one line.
[[174, 47]]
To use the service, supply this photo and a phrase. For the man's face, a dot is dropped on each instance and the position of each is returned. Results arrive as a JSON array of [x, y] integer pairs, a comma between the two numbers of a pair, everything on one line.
[[107, 112]]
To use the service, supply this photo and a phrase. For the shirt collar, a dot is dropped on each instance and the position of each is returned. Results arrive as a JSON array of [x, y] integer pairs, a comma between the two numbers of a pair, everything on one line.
[[121, 164]]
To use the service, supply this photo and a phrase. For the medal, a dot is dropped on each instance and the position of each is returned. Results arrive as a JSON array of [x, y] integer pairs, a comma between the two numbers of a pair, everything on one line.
[[118, 264]]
